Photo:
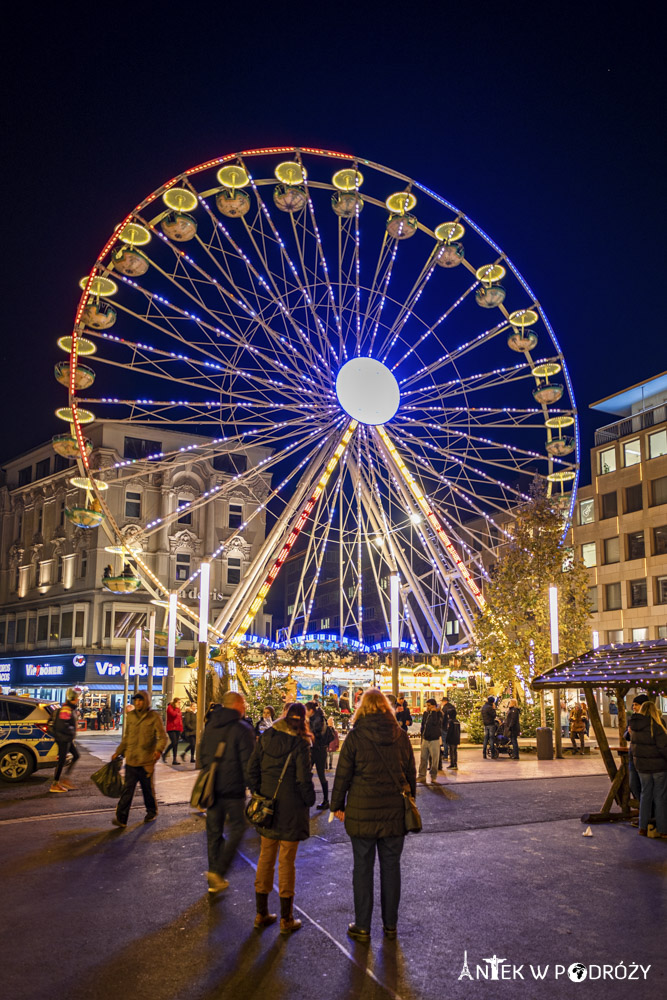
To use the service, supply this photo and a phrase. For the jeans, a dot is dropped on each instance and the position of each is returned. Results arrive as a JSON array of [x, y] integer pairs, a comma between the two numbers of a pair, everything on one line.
[[514, 740], [221, 850], [63, 750], [653, 800], [285, 851], [633, 780], [489, 740], [174, 736], [445, 748], [318, 757], [454, 754], [389, 851], [429, 749], [134, 775]]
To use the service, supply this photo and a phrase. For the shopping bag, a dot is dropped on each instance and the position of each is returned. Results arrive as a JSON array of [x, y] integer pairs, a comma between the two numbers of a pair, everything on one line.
[[108, 779]]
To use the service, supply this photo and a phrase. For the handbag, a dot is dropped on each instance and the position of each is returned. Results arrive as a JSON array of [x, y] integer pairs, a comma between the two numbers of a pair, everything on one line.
[[260, 808], [203, 792], [413, 820]]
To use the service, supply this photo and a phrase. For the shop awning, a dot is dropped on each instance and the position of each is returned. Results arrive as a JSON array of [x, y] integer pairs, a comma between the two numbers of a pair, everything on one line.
[[637, 664]]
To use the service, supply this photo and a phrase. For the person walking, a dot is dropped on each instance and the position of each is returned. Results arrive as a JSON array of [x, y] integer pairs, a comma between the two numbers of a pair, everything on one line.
[[376, 761], [453, 737], [143, 741], [344, 709], [266, 721], [448, 714], [613, 714], [226, 725], [513, 726], [564, 718], [577, 728], [431, 734], [106, 717], [318, 753], [489, 722], [633, 777], [284, 749], [648, 747], [334, 742], [64, 732], [190, 731], [403, 716], [174, 729]]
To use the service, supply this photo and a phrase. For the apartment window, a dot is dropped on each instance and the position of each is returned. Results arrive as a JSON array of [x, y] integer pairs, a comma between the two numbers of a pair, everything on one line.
[[370, 639], [662, 631], [612, 598], [451, 627], [60, 463], [612, 550], [351, 591], [593, 598], [231, 464], [636, 545], [107, 624], [83, 565], [132, 503], [184, 506], [607, 461], [290, 609], [42, 628], [25, 475], [608, 505], [233, 571], [615, 635], [588, 554], [657, 444], [369, 613], [633, 498], [66, 619], [32, 629], [3, 627], [59, 570], [638, 593], [661, 590], [140, 447], [639, 634], [325, 623], [43, 468], [235, 515], [182, 566], [660, 540], [11, 631], [632, 452], [20, 632], [658, 491], [79, 621], [586, 511]]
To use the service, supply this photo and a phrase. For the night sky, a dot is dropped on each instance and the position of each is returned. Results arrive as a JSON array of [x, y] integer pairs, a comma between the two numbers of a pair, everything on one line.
[[544, 123]]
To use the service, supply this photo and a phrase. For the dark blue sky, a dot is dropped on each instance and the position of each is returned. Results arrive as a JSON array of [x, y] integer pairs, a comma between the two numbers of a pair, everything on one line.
[[544, 123]]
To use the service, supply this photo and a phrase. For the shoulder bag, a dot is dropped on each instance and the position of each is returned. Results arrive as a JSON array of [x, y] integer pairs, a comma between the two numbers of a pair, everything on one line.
[[413, 820], [260, 808], [203, 793]]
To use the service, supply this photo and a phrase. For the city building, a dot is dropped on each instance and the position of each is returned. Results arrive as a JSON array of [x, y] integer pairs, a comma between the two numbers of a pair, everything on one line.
[[620, 524], [58, 622]]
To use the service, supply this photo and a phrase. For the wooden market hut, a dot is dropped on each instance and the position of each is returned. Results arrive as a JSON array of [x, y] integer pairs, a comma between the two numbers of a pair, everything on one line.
[[619, 667]]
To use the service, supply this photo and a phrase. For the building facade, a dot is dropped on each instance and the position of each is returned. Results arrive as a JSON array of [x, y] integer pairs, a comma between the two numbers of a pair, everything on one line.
[[52, 599]]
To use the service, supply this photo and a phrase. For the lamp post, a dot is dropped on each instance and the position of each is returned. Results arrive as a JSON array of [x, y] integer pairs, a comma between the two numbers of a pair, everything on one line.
[[138, 635], [553, 616], [171, 647], [393, 604], [151, 656], [204, 583], [126, 681]]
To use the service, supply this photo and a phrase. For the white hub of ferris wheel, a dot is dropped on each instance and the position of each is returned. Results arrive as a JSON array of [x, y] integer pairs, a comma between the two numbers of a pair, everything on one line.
[[368, 391]]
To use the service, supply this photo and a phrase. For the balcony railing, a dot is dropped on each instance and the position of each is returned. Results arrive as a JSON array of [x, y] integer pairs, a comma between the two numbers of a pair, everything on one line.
[[632, 424]]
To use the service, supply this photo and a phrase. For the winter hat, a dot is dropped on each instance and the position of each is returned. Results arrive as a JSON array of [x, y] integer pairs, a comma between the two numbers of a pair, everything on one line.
[[639, 699]]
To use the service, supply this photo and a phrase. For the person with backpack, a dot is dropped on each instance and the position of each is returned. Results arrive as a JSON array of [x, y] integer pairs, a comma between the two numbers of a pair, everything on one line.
[[63, 728], [280, 766], [143, 741], [322, 736], [226, 725]]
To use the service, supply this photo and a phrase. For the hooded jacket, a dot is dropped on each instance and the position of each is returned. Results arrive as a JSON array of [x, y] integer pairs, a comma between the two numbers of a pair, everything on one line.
[[375, 761], [64, 723], [291, 815], [648, 744], [144, 736], [225, 725]]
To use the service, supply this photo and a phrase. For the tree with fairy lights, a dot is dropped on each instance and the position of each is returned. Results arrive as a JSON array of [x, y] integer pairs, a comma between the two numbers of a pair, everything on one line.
[[513, 631]]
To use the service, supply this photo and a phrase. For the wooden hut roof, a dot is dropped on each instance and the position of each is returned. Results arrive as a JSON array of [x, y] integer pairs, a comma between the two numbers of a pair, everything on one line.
[[638, 664]]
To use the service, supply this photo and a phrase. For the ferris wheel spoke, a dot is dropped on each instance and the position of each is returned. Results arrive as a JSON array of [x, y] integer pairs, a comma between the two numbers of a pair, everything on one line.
[[450, 357], [407, 308], [430, 330]]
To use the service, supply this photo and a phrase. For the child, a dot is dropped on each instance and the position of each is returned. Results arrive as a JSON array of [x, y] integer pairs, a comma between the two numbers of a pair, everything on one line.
[[334, 743]]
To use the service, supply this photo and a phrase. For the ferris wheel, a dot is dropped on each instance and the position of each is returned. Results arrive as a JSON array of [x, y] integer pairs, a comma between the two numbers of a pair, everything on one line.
[[399, 371]]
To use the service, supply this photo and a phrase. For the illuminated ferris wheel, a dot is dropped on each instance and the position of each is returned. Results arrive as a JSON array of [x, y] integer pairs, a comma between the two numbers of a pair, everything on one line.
[[399, 371]]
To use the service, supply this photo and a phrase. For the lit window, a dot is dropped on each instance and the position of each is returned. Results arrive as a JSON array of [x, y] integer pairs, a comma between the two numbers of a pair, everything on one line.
[[182, 566], [612, 550], [639, 634], [593, 598], [233, 571], [636, 545], [658, 491], [290, 609], [661, 589], [351, 591], [326, 623], [657, 444], [638, 593], [632, 452], [612, 596], [586, 511], [660, 540], [616, 635], [588, 554], [132, 503], [607, 461], [662, 631], [235, 515]]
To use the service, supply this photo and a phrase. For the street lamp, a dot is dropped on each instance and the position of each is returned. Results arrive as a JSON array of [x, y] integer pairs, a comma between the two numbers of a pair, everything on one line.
[[171, 646], [204, 584], [553, 616], [393, 603]]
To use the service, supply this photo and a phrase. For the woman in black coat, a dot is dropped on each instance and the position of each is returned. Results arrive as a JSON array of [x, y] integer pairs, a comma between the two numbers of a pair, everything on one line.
[[288, 739], [512, 727], [648, 748], [375, 765]]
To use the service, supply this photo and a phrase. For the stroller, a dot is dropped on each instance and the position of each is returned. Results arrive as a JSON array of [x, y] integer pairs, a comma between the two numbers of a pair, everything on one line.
[[503, 743]]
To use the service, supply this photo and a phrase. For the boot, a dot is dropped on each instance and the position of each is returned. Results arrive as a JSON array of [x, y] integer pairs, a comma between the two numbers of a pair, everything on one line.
[[287, 921], [324, 804], [263, 918]]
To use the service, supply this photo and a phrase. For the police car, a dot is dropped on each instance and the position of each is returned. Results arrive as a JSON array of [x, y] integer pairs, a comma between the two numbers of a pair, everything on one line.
[[25, 743]]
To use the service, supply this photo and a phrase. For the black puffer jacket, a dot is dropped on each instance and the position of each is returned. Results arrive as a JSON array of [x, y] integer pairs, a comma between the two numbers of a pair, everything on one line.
[[648, 744], [226, 725], [448, 715], [488, 714], [375, 750], [431, 728], [512, 724], [291, 817]]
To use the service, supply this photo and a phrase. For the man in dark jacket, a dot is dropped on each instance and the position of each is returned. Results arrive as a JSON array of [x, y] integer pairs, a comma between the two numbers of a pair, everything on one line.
[[448, 713], [489, 723], [318, 752], [226, 725], [403, 716], [64, 731], [431, 734]]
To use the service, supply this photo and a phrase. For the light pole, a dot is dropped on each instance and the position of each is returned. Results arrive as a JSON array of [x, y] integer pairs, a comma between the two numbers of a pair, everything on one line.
[[393, 603], [171, 647], [126, 681], [204, 582], [151, 656], [553, 616]]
